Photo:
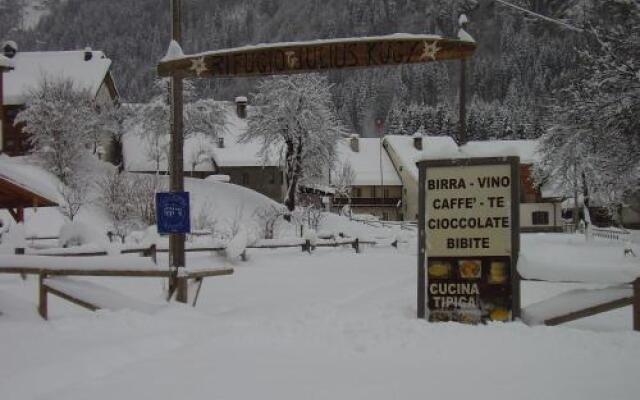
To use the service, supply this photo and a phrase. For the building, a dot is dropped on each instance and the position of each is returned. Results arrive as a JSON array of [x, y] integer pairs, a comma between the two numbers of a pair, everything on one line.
[[205, 156], [540, 207], [88, 69], [376, 188]]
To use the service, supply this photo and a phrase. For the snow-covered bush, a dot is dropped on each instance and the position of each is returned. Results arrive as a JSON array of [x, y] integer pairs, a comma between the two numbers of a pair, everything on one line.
[[237, 245], [267, 217], [143, 195], [116, 190], [79, 234], [14, 238]]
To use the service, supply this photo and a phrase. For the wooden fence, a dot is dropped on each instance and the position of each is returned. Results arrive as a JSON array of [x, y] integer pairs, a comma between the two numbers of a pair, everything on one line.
[[304, 244]]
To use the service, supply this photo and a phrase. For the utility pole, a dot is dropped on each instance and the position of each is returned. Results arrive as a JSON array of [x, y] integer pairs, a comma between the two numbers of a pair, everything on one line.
[[176, 162], [462, 127], [462, 123]]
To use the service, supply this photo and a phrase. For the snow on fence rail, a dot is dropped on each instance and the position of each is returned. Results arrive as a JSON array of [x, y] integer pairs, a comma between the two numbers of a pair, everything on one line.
[[305, 244], [404, 225], [611, 234]]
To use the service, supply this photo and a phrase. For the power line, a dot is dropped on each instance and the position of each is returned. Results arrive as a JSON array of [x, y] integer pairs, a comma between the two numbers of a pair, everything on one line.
[[544, 17]]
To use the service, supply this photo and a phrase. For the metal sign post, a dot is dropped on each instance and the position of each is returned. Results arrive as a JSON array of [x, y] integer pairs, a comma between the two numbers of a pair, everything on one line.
[[469, 233]]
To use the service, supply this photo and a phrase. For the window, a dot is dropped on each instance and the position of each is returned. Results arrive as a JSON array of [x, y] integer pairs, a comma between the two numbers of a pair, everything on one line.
[[540, 218], [245, 178], [356, 192]]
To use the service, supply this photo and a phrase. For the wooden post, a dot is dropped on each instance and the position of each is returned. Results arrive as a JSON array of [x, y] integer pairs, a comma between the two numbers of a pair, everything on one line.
[[421, 311], [42, 298], [636, 305], [176, 162], [356, 245], [19, 251]]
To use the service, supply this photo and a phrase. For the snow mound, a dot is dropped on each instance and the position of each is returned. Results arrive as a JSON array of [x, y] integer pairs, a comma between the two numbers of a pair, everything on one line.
[[77, 233], [237, 245]]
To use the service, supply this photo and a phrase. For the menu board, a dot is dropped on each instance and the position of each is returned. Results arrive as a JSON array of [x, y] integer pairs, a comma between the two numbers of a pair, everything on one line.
[[469, 226]]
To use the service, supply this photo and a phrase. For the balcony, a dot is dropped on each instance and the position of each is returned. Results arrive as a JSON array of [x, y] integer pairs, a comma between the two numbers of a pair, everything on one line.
[[367, 201]]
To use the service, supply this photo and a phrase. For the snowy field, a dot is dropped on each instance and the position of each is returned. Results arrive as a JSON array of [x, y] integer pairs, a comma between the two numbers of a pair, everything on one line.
[[289, 325]]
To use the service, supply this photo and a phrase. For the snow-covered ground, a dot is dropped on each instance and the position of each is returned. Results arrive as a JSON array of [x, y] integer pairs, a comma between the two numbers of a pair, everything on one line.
[[289, 325]]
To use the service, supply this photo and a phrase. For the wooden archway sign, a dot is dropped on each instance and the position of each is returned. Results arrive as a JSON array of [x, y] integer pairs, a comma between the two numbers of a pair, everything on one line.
[[283, 59], [317, 56]]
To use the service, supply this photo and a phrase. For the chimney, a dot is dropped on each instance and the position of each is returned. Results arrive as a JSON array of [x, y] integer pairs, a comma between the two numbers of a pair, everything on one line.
[[10, 48], [417, 142], [355, 143], [241, 107], [221, 142], [88, 54]]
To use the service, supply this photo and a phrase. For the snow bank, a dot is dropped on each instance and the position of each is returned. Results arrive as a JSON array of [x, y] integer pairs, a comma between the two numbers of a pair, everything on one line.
[[571, 301], [563, 257], [14, 238]]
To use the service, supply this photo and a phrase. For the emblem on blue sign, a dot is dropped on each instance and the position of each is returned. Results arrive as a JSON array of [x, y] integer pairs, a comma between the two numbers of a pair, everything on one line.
[[172, 212]]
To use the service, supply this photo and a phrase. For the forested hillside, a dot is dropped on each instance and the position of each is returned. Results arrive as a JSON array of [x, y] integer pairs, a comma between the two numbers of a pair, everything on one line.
[[520, 61]]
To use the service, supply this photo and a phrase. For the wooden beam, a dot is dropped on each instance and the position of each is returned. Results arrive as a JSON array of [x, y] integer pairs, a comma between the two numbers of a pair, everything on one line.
[[314, 56], [14, 214], [590, 311], [74, 300]]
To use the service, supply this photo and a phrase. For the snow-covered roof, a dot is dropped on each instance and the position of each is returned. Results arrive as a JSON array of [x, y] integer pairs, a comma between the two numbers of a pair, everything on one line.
[[233, 154], [31, 67], [527, 150], [30, 177], [439, 147], [407, 154], [368, 166]]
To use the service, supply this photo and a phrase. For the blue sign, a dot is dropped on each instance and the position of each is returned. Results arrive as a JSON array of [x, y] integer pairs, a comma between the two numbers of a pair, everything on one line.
[[172, 212]]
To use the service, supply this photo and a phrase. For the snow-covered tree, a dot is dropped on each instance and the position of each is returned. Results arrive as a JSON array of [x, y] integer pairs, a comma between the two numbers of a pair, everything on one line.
[[342, 180], [75, 195], [203, 116], [297, 122], [113, 124], [57, 119], [597, 125]]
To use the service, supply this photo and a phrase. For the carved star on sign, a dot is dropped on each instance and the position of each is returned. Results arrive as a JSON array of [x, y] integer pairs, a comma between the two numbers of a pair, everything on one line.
[[198, 66], [429, 51]]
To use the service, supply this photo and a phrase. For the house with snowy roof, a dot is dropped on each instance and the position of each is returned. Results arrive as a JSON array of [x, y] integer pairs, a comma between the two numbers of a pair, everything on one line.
[[88, 69], [540, 206], [204, 156], [375, 186]]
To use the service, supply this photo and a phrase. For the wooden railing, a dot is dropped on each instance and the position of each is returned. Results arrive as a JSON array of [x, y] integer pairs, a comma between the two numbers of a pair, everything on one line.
[[366, 201], [611, 233]]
